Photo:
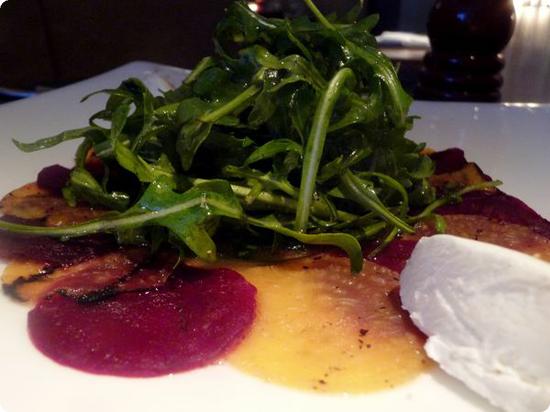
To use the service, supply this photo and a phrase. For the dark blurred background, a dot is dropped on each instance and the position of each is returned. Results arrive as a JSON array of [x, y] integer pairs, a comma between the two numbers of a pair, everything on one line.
[[49, 43]]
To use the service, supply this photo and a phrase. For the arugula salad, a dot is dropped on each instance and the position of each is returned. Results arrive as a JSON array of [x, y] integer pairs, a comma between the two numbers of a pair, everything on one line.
[[294, 130]]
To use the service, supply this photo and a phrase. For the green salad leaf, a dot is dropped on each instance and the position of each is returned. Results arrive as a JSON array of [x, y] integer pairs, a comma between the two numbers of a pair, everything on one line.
[[292, 129]]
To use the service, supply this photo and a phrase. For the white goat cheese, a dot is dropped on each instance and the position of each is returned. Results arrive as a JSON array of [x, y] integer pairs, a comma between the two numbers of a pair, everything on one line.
[[486, 312]]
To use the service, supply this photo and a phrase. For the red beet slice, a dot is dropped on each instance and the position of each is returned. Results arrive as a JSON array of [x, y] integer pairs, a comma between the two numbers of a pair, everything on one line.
[[499, 206], [54, 252], [191, 322], [53, 178], [449, 160], [152, 275], [495, 205], [395, 255]]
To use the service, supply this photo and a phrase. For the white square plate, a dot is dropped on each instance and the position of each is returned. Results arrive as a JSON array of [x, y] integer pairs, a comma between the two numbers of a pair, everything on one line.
[[510, 142]]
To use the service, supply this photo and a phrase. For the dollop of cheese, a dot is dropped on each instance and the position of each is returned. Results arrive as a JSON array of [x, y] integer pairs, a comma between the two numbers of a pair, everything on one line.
[[486, 312]]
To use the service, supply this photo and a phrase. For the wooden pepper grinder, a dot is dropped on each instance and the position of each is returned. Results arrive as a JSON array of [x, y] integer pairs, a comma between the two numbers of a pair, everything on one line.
[[467, 38]]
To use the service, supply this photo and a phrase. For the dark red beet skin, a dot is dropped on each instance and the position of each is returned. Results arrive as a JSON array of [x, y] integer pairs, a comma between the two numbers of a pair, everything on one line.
[[191, 322], [52, 251], [494, 205], [395, 255], [499, 206], [449, 160], [53, 178]]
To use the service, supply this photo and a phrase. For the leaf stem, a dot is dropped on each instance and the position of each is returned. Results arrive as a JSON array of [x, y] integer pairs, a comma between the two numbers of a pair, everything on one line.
[[384, 69], [342, 240], [204, 64], [231, 106], [444, 200], [119, 221], [385, 242], [315, 145], [284, 203], [52, 141], [394, 184], [322, 19], [356, 191]]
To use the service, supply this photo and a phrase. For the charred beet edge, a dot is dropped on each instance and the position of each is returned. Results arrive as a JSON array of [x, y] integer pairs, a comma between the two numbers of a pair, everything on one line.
[[90, 297], [95, 276], [150, 274]]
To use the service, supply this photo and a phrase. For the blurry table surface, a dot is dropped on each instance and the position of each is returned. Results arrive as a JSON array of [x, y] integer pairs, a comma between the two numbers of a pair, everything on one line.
[[527, 56], [527, 70]]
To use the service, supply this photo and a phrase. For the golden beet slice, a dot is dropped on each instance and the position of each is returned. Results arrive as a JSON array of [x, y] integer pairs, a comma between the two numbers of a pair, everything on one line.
[[319, 328]]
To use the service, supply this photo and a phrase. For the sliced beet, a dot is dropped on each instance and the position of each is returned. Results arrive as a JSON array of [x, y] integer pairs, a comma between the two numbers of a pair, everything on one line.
[[501, 207], [395, 255], [452, 160], [153, 274], [495, 205], [54, 252], [53, 178], [449, 160], [191, 322]]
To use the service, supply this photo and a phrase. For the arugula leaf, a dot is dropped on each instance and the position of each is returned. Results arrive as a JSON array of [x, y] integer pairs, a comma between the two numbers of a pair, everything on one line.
[[344, 241], [294, 127], [145, 172], [48, 142], [315, 145], [366, 196], [82, 185], [195, 132], [273, 148]]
